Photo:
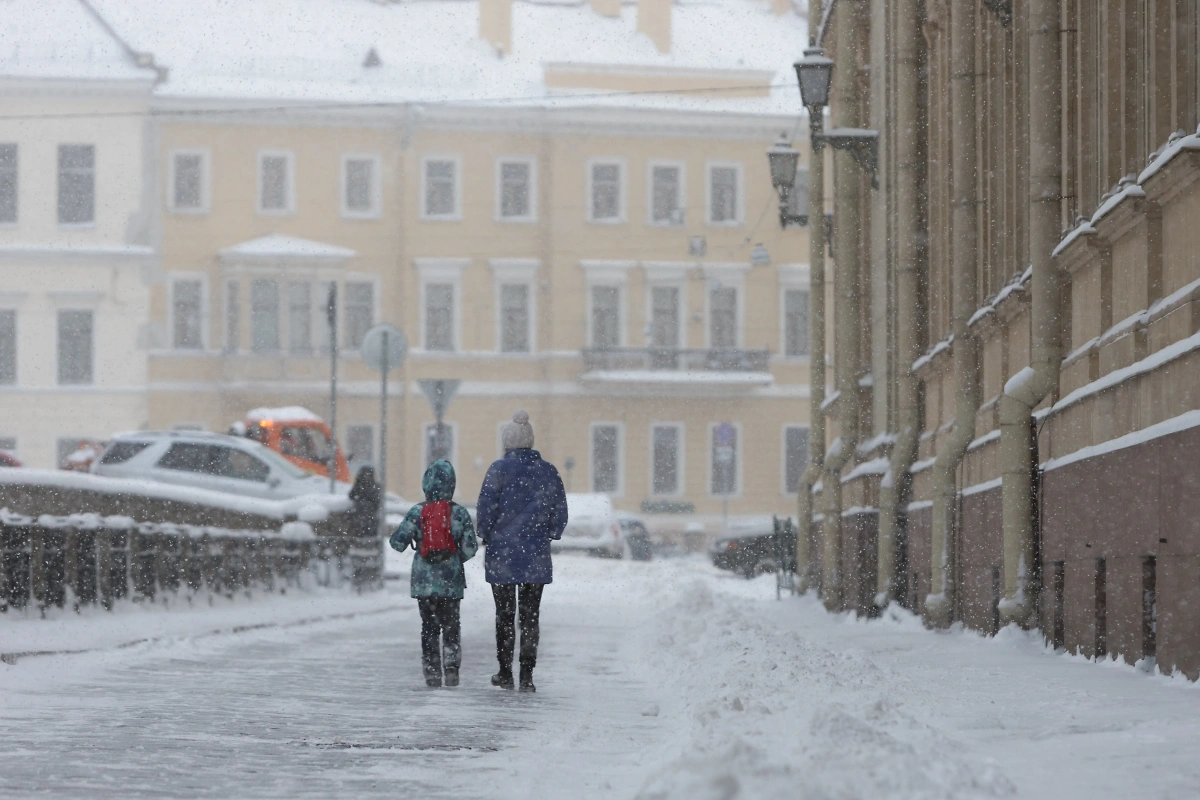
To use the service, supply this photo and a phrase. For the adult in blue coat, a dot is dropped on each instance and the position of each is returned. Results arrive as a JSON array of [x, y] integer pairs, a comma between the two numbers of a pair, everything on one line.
[[522, 507]]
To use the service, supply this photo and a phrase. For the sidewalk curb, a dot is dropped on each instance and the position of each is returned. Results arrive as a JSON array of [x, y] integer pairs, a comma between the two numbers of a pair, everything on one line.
[[12, 658]]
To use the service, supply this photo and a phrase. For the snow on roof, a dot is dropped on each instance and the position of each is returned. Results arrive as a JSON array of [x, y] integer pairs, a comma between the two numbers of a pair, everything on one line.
[[290, 413], [430, 50], [277, 245], [61, 39]]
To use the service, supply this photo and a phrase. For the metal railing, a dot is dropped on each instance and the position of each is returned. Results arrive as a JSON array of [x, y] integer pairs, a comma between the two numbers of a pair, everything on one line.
[[85, 560], [717, 359]]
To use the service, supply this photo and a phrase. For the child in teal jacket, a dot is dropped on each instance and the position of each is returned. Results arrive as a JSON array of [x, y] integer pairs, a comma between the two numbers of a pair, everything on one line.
[[438, 582]]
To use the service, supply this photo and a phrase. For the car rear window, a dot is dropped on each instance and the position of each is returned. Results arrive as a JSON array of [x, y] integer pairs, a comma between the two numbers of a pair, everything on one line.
[[211, 459], [120, 452]]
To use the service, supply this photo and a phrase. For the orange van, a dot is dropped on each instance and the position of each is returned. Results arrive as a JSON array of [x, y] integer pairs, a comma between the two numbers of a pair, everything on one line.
[[298, 435]]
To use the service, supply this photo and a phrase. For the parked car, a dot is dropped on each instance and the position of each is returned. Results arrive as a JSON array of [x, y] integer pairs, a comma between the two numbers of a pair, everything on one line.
[[7, 459], [298, 435], [211, 461], [637, 538], [592, 527], [748, 550]]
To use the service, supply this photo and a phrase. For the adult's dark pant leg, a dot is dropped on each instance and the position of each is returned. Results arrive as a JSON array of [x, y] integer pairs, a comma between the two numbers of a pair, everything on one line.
[[505, 596], [451, 634], [431, 634], [530, 602]]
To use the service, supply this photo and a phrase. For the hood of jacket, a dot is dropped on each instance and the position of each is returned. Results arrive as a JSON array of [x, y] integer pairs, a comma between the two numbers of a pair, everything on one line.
[[439, 481]]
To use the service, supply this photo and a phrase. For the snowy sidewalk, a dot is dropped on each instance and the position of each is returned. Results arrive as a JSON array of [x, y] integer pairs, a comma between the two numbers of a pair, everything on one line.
[[662, 680]]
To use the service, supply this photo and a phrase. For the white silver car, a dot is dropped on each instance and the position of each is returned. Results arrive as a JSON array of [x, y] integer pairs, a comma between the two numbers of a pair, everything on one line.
[[592, 526], [211, 461]]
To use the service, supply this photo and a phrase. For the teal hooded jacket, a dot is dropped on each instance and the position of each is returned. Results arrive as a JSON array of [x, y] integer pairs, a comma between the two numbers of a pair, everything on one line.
[[446, 578]]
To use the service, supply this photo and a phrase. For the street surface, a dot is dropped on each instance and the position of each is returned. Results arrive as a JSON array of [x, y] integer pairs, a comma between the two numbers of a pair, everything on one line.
[[661, 680]]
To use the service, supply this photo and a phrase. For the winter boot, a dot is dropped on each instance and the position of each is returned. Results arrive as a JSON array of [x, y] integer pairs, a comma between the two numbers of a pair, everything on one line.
[[503, 679], [436, 682], [451, 678], [527, 680]]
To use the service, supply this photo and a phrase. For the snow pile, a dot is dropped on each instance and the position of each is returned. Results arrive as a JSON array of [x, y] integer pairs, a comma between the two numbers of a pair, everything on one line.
[[764, 712]]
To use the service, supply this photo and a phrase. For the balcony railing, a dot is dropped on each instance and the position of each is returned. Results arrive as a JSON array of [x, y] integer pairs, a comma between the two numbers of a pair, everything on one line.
[[675, 359]]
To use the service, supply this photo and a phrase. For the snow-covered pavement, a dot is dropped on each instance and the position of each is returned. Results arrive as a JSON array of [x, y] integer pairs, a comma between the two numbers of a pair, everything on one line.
[[662, 680]]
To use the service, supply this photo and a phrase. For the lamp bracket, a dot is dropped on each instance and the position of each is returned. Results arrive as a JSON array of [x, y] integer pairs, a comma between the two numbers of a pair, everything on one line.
[[862, 144]]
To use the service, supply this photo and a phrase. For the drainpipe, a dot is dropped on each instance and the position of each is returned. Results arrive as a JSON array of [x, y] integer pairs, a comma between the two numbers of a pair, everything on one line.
[[1032, 384], [939, 606], [816, 349], [847, 218], [910, 228]]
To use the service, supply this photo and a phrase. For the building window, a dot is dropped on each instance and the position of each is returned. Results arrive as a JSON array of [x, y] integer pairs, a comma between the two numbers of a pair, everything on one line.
[[795, 456], [439, 316], [666, 194], [8, 444], [795, 322], [441, 188], [360, 191], [606, 316], [8, 347], [275, 183], [189, 181], [723, 317], [360, 446], [516, 190], [724, 203], [439, 443], [76, 184], [606, 458], [664, 317], [666, 447], [74, 348], [514, 318], [605, 190], [187, 314], [360, 312], [8, 184], [264, 316], [300, 316], [233, 316], [724, 459]]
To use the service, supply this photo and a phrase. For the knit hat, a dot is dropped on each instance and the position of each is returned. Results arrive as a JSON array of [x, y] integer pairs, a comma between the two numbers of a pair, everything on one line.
[[518, 434]]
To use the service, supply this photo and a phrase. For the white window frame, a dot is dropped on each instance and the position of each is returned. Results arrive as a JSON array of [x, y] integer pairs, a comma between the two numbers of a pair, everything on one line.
[[732, 276], [620, 426], [17, 344], [58, 351], [741, 462], [680, 459], [87, 224], [740, 210], [608, 273], [234, 305], [345, 442], [193, 277], [425, 426], [441, 270], [205, 155], [290, 157], [10, 224], [533, 193], [454, 216], [622, 194], [515, 272], [682, 167], [376, 193], [791, 277], [666, 275], [783, 453]]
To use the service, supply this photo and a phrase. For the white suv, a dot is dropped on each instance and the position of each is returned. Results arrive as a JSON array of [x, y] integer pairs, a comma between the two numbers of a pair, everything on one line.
[[211, 461]]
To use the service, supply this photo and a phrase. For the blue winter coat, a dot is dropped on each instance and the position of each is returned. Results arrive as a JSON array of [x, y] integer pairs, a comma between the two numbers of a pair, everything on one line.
[[445, 578], [522, 506]]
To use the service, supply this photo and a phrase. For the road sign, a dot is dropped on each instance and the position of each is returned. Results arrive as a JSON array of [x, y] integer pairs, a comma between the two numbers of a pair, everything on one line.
[[439, 394], [372, 347]]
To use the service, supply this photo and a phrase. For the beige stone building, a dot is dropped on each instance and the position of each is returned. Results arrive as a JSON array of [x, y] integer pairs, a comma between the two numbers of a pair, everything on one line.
[[560, 206], [1021, 414]]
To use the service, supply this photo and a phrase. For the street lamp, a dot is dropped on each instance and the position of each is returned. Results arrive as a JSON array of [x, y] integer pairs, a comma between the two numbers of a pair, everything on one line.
[[814, 73], [783, 159]]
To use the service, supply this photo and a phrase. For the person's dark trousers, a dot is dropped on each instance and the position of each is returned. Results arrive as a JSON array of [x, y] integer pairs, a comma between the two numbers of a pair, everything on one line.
[[441, 635], [511, 598]]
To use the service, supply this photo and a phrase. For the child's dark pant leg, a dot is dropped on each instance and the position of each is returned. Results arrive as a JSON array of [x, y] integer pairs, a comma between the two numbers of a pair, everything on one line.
[[451, 634], [431, 634]]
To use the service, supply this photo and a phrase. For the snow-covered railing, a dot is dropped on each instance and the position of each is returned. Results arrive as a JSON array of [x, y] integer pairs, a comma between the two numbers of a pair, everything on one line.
[[89, 559]]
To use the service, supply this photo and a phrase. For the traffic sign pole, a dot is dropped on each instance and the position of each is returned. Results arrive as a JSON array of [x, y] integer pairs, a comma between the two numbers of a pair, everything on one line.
[[383, 393]]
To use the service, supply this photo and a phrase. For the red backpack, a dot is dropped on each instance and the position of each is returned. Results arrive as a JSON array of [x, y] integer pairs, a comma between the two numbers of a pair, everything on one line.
[[437, 532]]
